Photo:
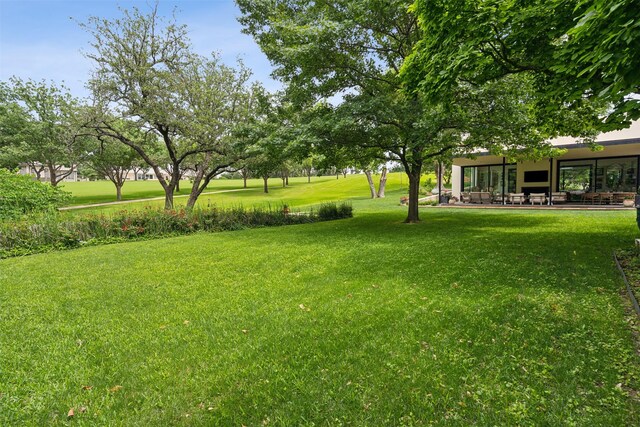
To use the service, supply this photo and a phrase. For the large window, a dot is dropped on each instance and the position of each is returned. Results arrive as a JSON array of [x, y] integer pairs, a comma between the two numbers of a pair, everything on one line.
[[576, 176], [618, 174], [488, 178]]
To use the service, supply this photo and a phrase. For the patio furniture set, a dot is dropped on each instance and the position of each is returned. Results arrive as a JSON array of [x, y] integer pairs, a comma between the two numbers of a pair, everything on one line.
[[607, 198], [482, 197]]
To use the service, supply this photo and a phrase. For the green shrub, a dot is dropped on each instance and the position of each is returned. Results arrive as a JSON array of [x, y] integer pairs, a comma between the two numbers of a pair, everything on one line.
[[52, 231], [21, 195], [328, 211], [345, 210]]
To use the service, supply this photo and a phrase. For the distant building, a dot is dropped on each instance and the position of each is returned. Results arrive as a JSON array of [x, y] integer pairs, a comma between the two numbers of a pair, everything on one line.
[[45, 175]]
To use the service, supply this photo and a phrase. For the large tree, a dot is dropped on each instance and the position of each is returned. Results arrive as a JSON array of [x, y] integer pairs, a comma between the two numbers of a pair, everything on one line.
[[355, 50], [576, 52], [147, 76]]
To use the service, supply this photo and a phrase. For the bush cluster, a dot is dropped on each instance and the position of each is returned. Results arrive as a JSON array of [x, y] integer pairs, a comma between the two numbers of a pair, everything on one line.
[[330, 211], [51, 232], [20, 195]]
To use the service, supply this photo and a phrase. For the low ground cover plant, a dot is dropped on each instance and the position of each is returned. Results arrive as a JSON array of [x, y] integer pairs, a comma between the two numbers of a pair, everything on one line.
[[51, 232], [21, 195]]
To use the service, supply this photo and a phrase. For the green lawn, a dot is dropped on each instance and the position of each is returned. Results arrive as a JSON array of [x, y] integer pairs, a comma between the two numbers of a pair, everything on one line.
[[298, 193], [472, 317]]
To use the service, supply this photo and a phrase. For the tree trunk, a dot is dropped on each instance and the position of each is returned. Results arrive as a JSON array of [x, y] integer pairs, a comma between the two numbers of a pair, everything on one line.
[[38, 171], [414, 187], [372, 186], [53, 176], [344, 173], [178, 185], [168, 198], [244, 172], [287, 178], [118, 192], [383, 183], [266, 187], [309, 175], [195, 189], [337, 175], [193, 196]]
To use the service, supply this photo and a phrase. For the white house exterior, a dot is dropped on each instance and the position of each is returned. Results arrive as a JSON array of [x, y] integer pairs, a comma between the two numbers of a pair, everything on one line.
[[45, 175], [580, 171]]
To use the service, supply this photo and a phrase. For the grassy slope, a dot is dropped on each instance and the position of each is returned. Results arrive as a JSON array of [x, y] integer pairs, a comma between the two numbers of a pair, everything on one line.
[[487, 317], [299, 192]]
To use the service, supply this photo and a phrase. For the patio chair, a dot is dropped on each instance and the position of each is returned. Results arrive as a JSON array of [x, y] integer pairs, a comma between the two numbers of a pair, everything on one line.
[[485, 197], [517, 198], [606, 198], [620, 196], [558, 197], [590, 197], [464, 197], [537, 198], [474, 197]]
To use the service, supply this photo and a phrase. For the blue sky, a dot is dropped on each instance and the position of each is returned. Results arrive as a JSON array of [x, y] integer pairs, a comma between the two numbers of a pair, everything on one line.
[[41, 39]]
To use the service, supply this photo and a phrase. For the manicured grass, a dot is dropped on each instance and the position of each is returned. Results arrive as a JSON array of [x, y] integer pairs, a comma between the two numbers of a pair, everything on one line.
[[89, 192], [472, 317], [298, 193], [84, 193]]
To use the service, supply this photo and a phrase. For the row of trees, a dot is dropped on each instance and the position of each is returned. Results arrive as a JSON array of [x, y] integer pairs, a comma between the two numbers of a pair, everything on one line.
[[156, 105], [44, 127]]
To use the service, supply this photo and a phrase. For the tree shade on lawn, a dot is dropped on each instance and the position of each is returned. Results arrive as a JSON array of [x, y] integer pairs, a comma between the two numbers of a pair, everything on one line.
[[498, 318]]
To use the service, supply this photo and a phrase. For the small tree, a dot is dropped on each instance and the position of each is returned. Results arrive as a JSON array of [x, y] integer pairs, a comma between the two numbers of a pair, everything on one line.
[[112, 160], [43, 128]]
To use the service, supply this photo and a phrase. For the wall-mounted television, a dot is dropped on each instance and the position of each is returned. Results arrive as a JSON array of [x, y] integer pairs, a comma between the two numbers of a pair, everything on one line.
[[536, 176]]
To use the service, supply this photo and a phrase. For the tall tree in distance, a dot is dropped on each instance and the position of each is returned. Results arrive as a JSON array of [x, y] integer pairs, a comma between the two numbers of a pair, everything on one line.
[[109, 158], [112, 160]]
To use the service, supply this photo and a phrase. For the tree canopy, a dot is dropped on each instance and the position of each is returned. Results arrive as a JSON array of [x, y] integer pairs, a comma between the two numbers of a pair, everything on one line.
[[41, 125], [147, 77], [577, 52]]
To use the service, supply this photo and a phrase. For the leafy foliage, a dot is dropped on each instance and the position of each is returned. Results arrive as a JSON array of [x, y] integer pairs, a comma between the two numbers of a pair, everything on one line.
[[41, 126], [148, 79], [581, 54], [330, 211], [55, 232], [21, 195]]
